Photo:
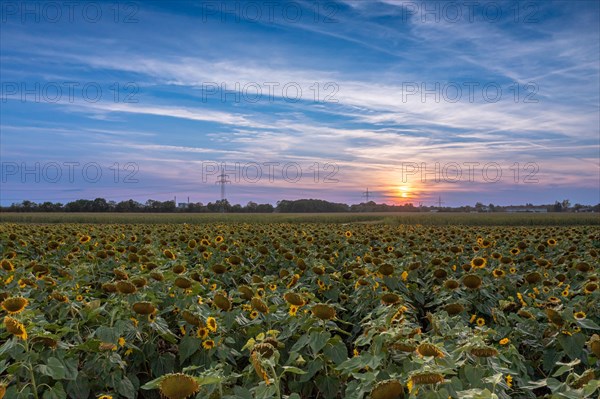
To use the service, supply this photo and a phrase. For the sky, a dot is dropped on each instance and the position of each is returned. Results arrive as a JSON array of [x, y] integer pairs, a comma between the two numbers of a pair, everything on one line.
[[416, 101]]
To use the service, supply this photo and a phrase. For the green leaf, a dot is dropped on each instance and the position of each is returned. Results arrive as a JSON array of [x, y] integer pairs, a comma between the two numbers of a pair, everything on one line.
[[79, 388], [187, 347], [572, 344], [53, 369], [56, 392], [587, 323], [301, 343], [165, 364], [328, 386], [336, 350], [293, 370], [125, 388], [317, 340]]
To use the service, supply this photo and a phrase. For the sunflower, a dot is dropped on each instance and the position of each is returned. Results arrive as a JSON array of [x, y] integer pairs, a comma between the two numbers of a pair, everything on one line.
[[552, 242], [504, 341], [15, 327], [14, 305], [472, 281], [348, 234], [202, 333], [85, 239], [478, 263], [211, 323], [293, 310], [579, 315], [253, 315], [151, 317], [208, 344], [178, 386], [498, 273], [169, 254], [480, 321], [388, 389], [426, 378], [426, 349], [105, 396], [323, 311], [590, 287], [7, 265]]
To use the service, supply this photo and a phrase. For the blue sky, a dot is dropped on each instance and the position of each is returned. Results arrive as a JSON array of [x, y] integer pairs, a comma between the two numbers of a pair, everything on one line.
[[497, 103]]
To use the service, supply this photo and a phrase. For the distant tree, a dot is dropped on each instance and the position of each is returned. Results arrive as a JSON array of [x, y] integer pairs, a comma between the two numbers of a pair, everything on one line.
[[557, 207]]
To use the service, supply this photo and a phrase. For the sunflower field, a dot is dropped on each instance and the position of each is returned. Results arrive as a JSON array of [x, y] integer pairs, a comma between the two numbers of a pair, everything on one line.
[[298, 310]]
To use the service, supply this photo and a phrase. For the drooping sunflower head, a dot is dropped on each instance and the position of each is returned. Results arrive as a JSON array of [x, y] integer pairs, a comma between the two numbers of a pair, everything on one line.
[[294, 299], [178, 386], [125, 287], [323, 311], [427, 349], [472, 281], [222, 302], [484, 351], [143, 308], [14, 305], [259, 305], [426, 378], [15, 327], [454, 308], [390, 298], [388, 389], [183, 282]]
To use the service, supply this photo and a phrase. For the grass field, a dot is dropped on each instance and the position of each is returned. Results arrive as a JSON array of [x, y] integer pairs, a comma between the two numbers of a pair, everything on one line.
[[475, 219]]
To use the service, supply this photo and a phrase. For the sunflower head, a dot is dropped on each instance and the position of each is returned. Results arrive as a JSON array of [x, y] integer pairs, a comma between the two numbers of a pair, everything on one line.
[[15, 327], [388, 389], [259, 305], [183, 282], [14, 305], [390, 298], [143, 308], [294, 299], [323, 311], [454, 308], [472, 281], [427, 349], [426, 378], [178, 386], [125, 287], [484, 351], [222, 302]]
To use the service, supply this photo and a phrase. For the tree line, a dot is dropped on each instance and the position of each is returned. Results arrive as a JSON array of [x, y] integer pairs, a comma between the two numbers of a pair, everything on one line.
[[283, 206]]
